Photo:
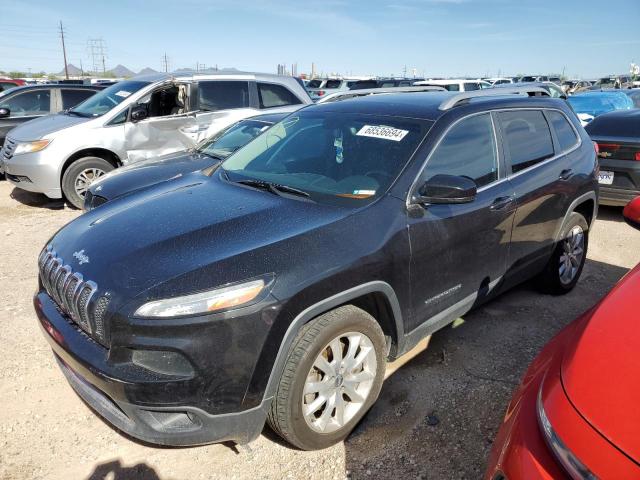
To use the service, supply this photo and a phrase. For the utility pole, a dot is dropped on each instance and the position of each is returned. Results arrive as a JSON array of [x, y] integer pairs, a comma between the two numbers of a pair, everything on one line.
[[165, 62], [64, 52]]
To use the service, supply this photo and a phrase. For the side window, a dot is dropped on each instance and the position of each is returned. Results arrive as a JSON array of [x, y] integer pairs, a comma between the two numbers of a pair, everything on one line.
[[71, 98], [35, 102], [468, 86], [223, 95], [527, 138], [452, 87], [468, 150], [567, 137], [272, 95]]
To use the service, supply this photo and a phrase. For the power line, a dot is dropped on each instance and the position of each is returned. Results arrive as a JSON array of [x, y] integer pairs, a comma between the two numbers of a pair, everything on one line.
[[165, 62]]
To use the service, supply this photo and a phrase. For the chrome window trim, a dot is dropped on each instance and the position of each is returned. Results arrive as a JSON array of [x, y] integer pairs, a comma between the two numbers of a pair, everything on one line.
[[511, 175]]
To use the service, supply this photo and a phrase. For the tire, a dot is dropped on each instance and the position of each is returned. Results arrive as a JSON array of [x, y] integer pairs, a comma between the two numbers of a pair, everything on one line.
[[89, 167], [286, 416], [552, 280]]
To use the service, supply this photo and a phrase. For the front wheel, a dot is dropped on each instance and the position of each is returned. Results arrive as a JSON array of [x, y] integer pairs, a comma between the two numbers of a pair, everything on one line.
[[567, 261], [80, 175], [332, 377]]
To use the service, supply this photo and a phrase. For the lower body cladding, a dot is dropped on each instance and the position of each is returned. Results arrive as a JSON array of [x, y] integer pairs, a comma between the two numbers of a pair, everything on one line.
[[619, 181], [178, 407]]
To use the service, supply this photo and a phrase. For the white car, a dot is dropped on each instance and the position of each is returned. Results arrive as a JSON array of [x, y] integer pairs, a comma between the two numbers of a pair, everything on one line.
[[455, 85]]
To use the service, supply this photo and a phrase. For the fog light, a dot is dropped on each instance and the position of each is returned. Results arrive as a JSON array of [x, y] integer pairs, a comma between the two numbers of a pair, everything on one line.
[[164, 362]]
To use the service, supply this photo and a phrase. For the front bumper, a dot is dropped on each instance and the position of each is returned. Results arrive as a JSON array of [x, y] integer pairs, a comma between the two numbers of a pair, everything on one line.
[[42, 174], [135, 401]]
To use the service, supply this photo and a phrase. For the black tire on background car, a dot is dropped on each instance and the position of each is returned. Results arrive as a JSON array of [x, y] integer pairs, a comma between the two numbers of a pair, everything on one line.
[[331, 378], [79, 175], [565, 265]]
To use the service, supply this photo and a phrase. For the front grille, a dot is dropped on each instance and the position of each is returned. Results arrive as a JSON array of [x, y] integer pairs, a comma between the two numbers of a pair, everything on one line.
[[75, 296], [8, 149]]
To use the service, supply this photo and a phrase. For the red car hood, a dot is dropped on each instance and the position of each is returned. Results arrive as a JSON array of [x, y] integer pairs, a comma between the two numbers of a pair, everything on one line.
[[601, 367]]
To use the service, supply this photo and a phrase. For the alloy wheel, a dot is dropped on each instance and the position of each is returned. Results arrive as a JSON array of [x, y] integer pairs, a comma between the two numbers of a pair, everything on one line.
[[339, 382], [572, 253], [85, 179]]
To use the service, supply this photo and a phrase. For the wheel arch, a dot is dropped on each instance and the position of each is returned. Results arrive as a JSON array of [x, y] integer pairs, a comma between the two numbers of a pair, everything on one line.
[[103, 153], [586, 205], [376, 298]]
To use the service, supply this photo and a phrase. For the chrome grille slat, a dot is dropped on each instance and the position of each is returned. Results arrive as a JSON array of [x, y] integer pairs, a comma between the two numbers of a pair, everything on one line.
[[74, 295]]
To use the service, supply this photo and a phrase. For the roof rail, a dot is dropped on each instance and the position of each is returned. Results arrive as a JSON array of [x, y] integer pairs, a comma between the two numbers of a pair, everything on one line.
[[347, 94], [491, 92]]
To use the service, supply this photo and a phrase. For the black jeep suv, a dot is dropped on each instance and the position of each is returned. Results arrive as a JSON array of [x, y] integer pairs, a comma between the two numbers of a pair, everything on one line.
[[276, 286]]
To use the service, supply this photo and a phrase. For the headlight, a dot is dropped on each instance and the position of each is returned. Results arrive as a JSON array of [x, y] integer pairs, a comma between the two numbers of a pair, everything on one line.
[[204, 302], [31, 147], [567, 459]]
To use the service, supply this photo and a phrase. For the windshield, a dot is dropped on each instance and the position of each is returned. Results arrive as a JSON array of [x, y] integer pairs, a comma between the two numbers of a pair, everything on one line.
[[330, 155], [103, 101], [233, 138]]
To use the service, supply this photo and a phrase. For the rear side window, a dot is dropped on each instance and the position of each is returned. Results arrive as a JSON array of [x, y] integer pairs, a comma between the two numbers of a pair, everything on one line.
[[471, 86], [71, 98], [272, 95], [452, 87], [333, 84], [214, 96], [527, 138], [567, 137], [35, 102], [467, 150]]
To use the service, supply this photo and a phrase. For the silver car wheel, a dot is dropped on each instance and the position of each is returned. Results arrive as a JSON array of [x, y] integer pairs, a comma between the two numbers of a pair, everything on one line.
[[572, 253], [85, 179], [339, 382]]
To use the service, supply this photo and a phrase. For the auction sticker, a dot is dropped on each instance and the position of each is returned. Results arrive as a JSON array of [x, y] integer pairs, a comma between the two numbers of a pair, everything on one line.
[[123, 93], [379, 131]]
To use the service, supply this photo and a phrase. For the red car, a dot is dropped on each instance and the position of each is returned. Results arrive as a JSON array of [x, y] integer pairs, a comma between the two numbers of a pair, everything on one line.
[[576, 413], [7, 83]]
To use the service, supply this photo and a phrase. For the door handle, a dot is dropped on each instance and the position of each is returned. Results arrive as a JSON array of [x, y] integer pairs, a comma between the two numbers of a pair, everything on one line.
[[501, 203], [566, 174]]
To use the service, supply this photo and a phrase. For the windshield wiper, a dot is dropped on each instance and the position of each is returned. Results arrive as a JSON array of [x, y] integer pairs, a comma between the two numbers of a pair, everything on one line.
[[274, 188], [73, 112]]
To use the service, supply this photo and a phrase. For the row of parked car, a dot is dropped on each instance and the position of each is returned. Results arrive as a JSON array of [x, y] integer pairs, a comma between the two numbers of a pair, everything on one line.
[[251, 268]]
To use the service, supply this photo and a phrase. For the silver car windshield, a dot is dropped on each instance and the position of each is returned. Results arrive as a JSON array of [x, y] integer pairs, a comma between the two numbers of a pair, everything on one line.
[[107, 99]]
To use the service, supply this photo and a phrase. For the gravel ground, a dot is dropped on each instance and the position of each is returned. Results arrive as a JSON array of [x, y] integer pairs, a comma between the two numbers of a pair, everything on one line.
[[436, 417]]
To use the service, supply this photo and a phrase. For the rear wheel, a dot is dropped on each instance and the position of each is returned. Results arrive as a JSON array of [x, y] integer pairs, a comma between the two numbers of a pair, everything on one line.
[[566, 263], [332, 376], [80, 175]]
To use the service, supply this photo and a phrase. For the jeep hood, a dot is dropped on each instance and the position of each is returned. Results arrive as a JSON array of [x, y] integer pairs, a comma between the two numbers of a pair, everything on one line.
[[40, 127], [141, 175], [187, 234]]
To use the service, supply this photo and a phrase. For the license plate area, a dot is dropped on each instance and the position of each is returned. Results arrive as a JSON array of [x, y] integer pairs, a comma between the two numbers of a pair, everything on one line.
[[605, 177]]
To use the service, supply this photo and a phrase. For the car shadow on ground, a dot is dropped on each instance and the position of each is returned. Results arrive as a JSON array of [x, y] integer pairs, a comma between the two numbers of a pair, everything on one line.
[[37, 200], [612, 214], [436, 417], [114, 470]]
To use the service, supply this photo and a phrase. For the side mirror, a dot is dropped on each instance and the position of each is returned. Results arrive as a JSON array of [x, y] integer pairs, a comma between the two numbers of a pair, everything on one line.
[[631, 213], [139, 112], [446, 189], [5, 112]]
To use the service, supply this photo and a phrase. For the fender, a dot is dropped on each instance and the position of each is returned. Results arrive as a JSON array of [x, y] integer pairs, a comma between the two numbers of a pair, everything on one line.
[[590, 195], [324, 306]]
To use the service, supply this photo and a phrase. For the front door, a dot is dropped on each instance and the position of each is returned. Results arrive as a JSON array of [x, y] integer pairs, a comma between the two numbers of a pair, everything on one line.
[[24, 106], [168, 128], [459, 252]]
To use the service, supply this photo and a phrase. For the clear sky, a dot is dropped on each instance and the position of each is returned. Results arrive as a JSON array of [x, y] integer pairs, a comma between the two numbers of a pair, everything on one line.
[[585, 38]]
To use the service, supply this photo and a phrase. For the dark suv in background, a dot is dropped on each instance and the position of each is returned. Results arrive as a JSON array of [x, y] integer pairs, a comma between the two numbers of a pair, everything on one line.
[[275, 287]]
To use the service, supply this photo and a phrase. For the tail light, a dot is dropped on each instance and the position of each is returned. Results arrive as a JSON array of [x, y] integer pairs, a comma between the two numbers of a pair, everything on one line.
[[638, 156], [320, 93], [596, 147]]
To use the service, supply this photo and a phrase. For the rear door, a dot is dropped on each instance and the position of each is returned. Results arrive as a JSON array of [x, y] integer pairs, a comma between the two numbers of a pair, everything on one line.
[[24, 106], [542, 178], [459, 252]]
